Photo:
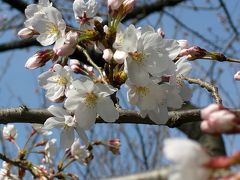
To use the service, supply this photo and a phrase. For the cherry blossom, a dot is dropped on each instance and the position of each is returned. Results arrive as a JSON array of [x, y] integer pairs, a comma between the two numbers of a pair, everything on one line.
[[67, 123], [188, 158], [87, 99], [56, 82]]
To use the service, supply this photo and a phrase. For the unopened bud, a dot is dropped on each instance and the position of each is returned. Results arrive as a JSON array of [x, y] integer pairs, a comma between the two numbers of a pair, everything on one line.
[[119, 56], [9, 132], [237, 76], [107, 55], [161, 32], [114, 142], [114, 4], [194, 52], [75, 66], [26, 33], [39, 59], [128, 5]]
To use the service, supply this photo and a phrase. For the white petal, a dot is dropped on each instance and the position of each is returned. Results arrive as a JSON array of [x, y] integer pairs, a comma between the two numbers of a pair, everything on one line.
[[67, 137], [72, 103], [82, 135], [136, 73], [107, 110], [160, 115], [57, 111], [104, 90], [85, 115], [54, 122]]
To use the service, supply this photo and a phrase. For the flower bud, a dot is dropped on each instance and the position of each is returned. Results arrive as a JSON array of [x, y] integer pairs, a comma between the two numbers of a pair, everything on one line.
[[194, 52], [114, 142], [9, 132], [128, 5], [161, 32], [75, 66], [26, 33], [119, 56], [39, 59], [114, 4], [237, 76], [107, 55], [217, 119]]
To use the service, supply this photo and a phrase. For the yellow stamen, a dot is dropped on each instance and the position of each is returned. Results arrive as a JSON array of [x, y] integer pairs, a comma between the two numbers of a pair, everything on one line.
[[62, 80], [137, 56], [142, 91], [90, 99]]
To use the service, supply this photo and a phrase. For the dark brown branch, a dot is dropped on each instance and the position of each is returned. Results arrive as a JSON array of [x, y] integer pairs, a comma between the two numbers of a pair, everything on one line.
[[24, 115], [17, 44]]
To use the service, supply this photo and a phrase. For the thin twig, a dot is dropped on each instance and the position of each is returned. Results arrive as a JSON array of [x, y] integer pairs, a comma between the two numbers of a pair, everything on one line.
[[21, 164], [89, 59], [209, 87]]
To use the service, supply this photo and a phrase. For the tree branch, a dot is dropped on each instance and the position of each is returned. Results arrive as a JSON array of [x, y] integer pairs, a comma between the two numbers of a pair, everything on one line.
[[25, 115], [17, 44]]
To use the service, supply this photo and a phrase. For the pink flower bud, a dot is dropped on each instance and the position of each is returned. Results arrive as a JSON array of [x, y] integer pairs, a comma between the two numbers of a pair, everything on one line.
[[160, 32], [26, 33], [107, 55], [114, 142], [217, 119], [128, 5], [237, 76], [9, 132], [39, 59], [75, 66], [194, 52], [114, 4]]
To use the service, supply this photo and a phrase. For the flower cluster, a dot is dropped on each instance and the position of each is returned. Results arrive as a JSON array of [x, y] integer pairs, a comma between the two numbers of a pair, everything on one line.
[[139, 58]]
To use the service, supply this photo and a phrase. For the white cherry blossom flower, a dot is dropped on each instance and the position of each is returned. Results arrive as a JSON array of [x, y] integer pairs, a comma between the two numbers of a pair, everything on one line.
[[67, 44], [79, 152], [188, 158], [33, 9], [67, 123], [48, 24], [87, 100], [147, 53], [56, 82], [9, 132], [153, 100], [85, 12]]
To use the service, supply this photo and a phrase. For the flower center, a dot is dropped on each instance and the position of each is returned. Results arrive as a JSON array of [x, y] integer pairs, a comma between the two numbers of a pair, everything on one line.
[[62, 80], [52, 29], [143, 91], [137, 56], [90, 99]]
